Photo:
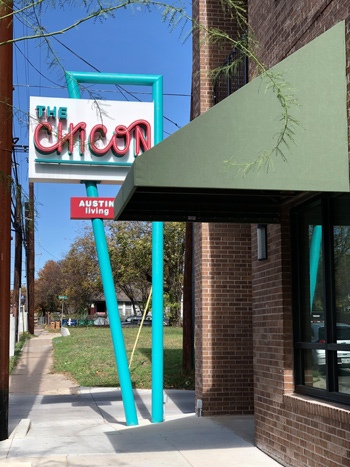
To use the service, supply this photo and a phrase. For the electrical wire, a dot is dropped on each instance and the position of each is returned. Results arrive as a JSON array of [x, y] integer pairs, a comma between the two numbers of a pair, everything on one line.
[[121, 89], [33, 66], [48, 252], [64, 88]]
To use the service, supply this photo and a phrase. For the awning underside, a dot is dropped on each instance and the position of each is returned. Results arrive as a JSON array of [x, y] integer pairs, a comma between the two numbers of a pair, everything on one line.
[[186, 177], [206, 205]]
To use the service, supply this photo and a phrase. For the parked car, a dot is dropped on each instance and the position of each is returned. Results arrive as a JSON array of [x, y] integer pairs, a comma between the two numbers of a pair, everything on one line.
[[135, 320], [343, 337], [165, 319]]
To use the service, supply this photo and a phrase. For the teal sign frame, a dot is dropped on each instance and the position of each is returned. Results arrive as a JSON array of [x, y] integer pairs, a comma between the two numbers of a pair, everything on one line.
[[156, 81]]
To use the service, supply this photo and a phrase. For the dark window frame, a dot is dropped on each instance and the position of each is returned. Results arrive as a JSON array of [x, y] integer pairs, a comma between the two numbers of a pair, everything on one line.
[[225, 83], [330, 346]]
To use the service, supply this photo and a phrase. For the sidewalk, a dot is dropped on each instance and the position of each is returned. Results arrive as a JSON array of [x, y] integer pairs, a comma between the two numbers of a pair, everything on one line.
[[54, 422]]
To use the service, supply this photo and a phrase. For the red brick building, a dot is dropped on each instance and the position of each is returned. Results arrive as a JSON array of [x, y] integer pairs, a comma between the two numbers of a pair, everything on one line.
[[244, 312], [272, 332]]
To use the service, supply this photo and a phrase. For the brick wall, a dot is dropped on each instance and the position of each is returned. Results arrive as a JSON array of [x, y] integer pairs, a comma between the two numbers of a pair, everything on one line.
[[223, 325], [282, 26], [296, 430], [206, 56], [223, 331]]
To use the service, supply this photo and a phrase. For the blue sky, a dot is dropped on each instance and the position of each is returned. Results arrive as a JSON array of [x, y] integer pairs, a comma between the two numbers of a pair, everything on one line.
[[129, 43]]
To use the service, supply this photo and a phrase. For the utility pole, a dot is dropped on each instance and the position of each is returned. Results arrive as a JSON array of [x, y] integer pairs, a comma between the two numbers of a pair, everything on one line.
[[5, 208], [29, 214], [17, 283]]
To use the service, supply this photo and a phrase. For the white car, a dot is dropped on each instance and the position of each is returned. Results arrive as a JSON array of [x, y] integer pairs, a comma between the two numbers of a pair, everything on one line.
[[343, 337]]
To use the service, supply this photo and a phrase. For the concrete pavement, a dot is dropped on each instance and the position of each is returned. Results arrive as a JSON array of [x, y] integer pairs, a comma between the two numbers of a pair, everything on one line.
[[54, 422]]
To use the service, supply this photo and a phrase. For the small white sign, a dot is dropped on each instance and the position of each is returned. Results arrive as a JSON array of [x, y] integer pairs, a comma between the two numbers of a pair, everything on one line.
[[73, 140]]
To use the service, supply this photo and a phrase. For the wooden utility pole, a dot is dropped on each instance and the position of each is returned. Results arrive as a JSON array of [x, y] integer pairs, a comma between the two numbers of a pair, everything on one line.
[[30, 257], [5, 209], [17, 283]]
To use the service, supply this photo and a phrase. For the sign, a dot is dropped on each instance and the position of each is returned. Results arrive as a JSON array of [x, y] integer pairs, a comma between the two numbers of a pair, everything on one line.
[[62, 297], [74, 140], [91, 208]]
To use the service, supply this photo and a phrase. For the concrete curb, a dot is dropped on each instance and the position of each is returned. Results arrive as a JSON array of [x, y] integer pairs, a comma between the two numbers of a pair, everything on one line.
[[22, 429]]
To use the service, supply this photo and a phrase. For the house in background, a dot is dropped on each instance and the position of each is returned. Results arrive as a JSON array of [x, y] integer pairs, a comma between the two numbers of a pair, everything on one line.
[[125, 307]]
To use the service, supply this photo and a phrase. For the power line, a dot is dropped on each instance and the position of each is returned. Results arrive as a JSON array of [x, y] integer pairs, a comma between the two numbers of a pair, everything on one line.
[[64, 88], [48, 252], [31, 64], [121, 89]]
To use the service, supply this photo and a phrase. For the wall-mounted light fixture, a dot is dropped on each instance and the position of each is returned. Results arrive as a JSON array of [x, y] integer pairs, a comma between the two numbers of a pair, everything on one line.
[[262, 241]]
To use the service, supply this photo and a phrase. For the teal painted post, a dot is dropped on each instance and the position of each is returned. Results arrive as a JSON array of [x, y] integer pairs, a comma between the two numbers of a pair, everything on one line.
[[157, 278], [315, 251], [113, 313], [110, 295]]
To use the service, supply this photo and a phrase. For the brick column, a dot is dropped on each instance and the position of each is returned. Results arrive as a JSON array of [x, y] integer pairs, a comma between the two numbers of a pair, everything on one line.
[[223, 330]]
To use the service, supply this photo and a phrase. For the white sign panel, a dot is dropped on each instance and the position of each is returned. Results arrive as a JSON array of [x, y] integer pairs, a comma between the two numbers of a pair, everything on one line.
[[73, 140]]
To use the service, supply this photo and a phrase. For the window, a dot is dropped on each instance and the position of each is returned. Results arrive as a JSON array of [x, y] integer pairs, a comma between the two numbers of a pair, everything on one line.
[[321, 306], [225, 82]]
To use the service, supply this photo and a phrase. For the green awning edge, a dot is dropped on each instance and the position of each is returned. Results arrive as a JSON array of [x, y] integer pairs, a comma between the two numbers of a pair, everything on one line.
[[247, 123]]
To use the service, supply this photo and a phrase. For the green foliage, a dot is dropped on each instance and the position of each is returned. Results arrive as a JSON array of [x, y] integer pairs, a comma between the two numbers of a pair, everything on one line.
[[18, 350], [48, 286], [91, 10], [341, 236], [77, 276], [286, 136], [87, 356], [130, 247], [81, 276]]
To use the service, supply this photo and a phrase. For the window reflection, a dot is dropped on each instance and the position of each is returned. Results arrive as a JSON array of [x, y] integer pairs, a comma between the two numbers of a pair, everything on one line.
[[314, 368], [341, 234], [322, 299], [311, 272], [343, 360]]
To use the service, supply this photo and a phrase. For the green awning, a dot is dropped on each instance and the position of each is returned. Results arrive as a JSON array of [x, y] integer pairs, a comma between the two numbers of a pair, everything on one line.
[[185, 177]]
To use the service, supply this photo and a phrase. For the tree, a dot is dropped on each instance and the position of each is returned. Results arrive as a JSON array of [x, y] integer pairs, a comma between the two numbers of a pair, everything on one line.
[[81, 279], [174, 257], [48, 287], [130, 246]]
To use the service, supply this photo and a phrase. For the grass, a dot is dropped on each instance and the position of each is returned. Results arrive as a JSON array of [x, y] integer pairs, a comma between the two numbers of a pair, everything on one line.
[[87, 356], [18, 349]]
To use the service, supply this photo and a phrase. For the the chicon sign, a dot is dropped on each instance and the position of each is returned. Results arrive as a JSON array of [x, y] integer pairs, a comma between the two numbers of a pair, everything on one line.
[[91, 208], [74, 140]]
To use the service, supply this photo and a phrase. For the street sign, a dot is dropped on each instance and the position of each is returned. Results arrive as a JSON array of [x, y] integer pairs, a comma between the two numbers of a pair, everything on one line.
[[91, 208], [62, 297]]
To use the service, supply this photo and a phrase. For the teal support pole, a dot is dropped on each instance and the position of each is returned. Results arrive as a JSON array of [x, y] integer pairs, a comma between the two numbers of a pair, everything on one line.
[[113, 314], [315, 251], [157, 322], [110, 296], [157, 277]]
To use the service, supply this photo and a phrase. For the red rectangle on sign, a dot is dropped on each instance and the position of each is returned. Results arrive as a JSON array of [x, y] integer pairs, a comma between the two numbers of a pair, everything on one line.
[[92, 208]]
